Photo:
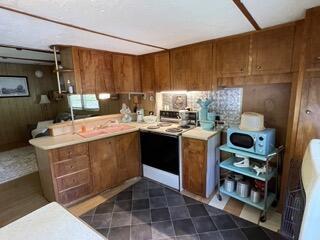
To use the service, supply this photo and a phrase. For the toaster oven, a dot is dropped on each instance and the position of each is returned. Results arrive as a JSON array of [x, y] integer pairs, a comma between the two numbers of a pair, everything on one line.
[[258, 142]]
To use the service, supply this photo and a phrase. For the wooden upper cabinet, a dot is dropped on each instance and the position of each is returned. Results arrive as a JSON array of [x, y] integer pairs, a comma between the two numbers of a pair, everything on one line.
[[272, 50], [96, 74], [313, 49], [162, 71], [233, 56], [126, 71], [104, 72], [147, 72], [201, 67], [180, 66]]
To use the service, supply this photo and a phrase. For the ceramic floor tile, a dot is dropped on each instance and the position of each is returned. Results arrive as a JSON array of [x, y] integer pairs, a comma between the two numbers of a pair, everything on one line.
[[197, 210], [219, 204], [180, 212], [204, 224], [188, 237], [119, 233], [141, 232], [120, 219], [140, 204], [250, 214], [175, 200], [162, 230], [273, 221], [160, 214], [224, 222], [210, 236], [156, 192], [101, 220], [158, 202], [255, 233], [234, 234], [141, 217], [183, 227]]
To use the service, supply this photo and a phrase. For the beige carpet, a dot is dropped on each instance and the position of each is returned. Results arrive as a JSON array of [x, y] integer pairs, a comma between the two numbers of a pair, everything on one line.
[[17, 163]]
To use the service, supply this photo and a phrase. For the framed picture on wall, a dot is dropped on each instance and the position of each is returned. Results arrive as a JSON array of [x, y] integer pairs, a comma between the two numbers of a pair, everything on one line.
[[14, 86]]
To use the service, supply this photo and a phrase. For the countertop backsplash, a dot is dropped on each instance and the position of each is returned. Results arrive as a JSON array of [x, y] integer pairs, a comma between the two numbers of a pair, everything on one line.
[[227, 102]]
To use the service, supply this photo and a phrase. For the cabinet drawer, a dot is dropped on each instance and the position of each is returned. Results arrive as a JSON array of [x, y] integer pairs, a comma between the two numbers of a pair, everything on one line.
[[70, 165], [69, 152], [73, 180], [74, 194]]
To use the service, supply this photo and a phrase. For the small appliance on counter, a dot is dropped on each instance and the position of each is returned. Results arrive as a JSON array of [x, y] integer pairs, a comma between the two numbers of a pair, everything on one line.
[[140, 114], [251, 121], [183, 115]]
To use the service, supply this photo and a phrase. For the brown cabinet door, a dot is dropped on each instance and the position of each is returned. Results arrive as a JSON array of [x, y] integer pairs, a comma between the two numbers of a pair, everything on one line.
[[147, 72], [272, 50], [180, 66], [194, 165], [308, 126], [87, 65], [313, 50], [233, 56], [103, 163], [104, 72], [162, 71], [128, 159], [96, 71], [126, 70], [201, 67]]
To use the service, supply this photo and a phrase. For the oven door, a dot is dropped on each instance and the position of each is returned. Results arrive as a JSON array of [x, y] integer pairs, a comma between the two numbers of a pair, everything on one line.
[[242, 141], [160, 151]]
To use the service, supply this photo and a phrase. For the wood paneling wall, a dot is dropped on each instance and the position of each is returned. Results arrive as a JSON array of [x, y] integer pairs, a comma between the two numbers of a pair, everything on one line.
[[17, 113], [271, 100]]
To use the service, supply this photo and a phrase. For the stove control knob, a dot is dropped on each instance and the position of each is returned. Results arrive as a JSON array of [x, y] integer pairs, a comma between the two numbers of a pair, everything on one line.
[[261, 138]]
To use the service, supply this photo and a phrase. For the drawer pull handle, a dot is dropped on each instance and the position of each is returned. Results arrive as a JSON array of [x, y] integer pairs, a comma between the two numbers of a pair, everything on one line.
[[259, 67], [308, 112]]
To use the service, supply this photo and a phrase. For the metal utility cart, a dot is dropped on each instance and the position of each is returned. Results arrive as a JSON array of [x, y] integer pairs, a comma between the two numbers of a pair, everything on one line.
[[269, 197]]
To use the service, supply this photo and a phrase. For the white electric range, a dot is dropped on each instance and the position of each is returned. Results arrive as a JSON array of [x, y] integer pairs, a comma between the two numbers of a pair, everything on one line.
[[161, 148]]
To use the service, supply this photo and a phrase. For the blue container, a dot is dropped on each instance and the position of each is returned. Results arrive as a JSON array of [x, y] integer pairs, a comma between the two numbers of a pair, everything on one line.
[[203, 114]]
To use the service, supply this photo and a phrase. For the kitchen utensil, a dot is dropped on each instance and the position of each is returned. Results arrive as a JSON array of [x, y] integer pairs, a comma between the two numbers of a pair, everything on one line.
[[150, 119], [140, 115], [255, 195], [251, 121], [243, 188], [183, 115], [229, 184]]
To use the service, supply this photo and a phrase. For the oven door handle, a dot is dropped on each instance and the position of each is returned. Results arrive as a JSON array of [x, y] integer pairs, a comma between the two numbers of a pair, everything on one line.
[[254, 143], [156, 133]]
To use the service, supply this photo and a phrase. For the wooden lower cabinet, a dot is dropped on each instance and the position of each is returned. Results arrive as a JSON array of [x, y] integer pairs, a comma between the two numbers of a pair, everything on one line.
[[194, 165], [71, 174], [114, 160]]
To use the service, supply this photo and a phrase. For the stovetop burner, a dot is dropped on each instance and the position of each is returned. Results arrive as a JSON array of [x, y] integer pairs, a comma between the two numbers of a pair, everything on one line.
[[153, 127], [164, 124], [174, 130], [185, 127]]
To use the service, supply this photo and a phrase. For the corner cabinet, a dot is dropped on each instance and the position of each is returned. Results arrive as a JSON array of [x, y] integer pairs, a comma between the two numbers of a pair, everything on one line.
[[73, 173], [126, 73]]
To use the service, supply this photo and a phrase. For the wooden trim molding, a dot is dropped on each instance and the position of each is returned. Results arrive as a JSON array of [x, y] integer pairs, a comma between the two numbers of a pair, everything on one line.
[[78, 27], [247, 14]]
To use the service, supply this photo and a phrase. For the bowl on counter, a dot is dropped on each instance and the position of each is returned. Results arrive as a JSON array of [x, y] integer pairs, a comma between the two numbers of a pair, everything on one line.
[[150, 119], [207, 125]]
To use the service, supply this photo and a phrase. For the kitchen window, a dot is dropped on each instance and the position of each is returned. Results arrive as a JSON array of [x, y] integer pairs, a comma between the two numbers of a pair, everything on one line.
[[84, 102]]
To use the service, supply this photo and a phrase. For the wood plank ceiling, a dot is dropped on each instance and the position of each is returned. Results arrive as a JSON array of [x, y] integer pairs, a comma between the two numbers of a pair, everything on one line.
[[156, 24]]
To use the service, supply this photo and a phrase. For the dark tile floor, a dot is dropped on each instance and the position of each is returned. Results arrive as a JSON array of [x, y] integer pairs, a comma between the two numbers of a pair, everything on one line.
[[148, 210]]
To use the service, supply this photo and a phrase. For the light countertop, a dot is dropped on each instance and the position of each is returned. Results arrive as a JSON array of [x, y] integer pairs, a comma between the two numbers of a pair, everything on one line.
[[199, 133], [50, 142], [51, 222]]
